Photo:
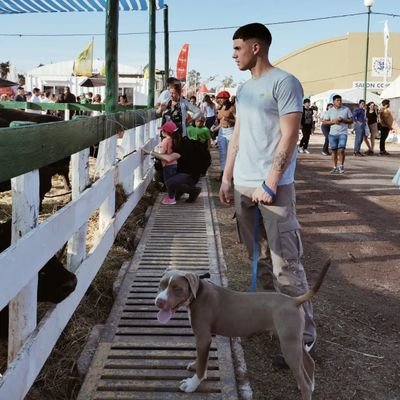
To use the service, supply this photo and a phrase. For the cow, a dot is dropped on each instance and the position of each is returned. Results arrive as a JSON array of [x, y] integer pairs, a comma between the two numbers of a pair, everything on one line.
[[60, 167], [55, 282]]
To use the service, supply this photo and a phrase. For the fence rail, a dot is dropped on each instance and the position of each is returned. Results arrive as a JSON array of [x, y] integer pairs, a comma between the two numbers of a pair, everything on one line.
[[119, 161]]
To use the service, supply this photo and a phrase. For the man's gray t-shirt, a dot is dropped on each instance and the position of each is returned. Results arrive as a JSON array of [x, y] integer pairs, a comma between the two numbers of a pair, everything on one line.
[[333, 113], [260, 102]]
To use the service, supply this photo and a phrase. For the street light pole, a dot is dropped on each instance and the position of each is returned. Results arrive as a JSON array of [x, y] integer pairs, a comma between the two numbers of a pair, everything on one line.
[[368, 4]]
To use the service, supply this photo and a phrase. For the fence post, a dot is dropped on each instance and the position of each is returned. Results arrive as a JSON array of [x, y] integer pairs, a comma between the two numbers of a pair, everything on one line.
[[106, 159], [76, 251], [25, 211], [138, 176], [128, 146]]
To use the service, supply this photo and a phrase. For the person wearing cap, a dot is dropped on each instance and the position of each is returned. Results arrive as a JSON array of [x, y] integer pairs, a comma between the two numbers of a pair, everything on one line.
[[261, 161], [221, 97], [169, 167]]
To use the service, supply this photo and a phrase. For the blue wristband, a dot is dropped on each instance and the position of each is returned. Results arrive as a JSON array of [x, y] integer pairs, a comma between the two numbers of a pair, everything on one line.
[[268, 190]]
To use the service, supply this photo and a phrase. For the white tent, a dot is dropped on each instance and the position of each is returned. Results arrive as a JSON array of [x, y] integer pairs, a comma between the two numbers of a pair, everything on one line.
[[349, 96], [393, 90], [57, 75]]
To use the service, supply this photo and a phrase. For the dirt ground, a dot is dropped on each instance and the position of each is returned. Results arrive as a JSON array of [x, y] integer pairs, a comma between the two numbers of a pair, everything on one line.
[[354, 219], [351, 218]]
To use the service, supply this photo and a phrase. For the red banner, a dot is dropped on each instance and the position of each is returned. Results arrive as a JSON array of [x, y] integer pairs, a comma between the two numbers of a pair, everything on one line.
[[182, 63]]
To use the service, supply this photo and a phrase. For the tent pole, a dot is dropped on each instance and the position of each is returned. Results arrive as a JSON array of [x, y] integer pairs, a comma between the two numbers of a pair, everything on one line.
[[152, 52], [111, 45]]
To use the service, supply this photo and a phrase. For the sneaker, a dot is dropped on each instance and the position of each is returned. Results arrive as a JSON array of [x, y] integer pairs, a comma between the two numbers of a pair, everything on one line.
[[334, 170], [358, 154], [300, 149], [341, 169], [306, 151], [384, 153], [194, 195], [324, 153], [168, 201]]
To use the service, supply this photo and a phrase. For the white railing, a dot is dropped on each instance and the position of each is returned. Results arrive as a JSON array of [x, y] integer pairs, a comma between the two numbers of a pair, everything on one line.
[[30, 343]]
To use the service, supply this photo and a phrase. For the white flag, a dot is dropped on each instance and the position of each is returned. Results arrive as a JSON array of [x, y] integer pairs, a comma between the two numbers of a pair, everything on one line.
[[386, 34]]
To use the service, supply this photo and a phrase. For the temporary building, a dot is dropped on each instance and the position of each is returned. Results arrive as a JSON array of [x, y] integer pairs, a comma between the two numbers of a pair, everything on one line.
[[55, 76]]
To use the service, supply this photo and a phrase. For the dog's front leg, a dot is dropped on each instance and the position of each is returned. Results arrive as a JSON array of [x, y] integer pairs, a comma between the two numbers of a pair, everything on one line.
[[203, 343]]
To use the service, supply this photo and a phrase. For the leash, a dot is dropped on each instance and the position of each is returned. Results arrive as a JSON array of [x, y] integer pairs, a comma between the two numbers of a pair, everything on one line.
[[256, 220]]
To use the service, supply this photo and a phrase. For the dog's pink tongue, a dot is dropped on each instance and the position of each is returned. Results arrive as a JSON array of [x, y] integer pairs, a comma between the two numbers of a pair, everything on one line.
[[164, 316]]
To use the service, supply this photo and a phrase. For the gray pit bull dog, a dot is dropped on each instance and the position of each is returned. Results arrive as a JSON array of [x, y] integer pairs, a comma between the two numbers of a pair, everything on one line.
[[214, 310]]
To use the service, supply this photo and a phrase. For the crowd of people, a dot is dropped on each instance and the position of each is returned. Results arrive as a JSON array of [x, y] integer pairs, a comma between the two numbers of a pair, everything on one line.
[[368, 122], [189, 126], [66, 96]]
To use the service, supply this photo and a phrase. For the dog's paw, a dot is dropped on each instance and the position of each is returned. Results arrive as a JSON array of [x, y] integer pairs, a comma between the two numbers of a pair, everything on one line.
[[191, 366], [189, 385]]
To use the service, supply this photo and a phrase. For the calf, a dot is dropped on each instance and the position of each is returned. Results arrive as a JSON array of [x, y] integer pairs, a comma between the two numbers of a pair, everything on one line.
[[55, 282]]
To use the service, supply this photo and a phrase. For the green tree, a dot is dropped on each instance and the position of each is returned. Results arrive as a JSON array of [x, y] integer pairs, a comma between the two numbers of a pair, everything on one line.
[[228, 82], [4, 69], [193, 78]]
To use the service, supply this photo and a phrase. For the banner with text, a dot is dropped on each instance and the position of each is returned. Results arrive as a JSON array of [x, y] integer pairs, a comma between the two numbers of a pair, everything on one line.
[[182, 63], [371, 85]]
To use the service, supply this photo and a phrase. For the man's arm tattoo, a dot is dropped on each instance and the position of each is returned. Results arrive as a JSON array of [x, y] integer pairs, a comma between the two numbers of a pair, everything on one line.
[[235, 149], [280, 161]]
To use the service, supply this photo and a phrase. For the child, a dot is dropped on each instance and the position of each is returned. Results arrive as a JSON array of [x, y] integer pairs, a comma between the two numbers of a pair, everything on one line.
[[199, 132], [169, 167]]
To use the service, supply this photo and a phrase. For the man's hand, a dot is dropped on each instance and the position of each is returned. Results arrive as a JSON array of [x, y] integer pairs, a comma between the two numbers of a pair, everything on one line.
[[261, 196], [225, 193]]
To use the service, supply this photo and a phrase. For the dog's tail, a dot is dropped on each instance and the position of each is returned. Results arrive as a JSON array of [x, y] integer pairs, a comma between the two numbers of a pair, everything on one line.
[[310, 293]]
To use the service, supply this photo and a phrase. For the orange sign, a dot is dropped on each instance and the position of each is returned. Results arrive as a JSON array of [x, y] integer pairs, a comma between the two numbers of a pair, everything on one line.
[[182, 63]]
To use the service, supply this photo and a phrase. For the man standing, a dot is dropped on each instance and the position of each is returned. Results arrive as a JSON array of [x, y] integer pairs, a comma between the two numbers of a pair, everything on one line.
[[262, 159], [386, 120], [306, 126], [360, 124], [338, 117], [20, 94]]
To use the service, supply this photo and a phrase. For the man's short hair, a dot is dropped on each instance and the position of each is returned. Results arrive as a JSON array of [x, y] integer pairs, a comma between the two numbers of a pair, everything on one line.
[[254, 31], [336, 96], [385, 102], [361, 101], [306, 101], [172, 80]]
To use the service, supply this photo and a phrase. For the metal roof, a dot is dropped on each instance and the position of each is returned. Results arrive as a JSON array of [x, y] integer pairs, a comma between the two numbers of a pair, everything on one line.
[[53, 6]]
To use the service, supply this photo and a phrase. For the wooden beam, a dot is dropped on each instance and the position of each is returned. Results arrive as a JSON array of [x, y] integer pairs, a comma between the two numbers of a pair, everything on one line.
[[28, 148]]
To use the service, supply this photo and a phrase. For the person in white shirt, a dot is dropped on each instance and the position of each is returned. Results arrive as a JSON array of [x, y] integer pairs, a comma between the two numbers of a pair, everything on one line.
[[208, 110], [35, 99]]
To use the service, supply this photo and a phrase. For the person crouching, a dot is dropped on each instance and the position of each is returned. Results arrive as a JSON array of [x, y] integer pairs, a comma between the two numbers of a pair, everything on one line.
[[170, 136]]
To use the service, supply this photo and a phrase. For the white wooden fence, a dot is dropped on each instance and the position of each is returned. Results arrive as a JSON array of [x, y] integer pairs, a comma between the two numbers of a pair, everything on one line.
[[30, 343]]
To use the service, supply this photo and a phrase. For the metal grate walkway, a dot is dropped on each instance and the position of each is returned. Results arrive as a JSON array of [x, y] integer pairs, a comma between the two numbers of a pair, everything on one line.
[[137, 357]]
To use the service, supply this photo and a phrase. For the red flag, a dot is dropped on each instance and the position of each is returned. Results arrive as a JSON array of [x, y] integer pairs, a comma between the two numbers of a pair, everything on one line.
[[182, 63]]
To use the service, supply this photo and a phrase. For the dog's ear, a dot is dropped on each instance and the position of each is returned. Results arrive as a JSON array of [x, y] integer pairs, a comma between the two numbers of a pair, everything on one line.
[[193, 280]]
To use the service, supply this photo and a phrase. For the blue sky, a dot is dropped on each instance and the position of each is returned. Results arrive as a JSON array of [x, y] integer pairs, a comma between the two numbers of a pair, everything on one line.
[[210, 50]]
